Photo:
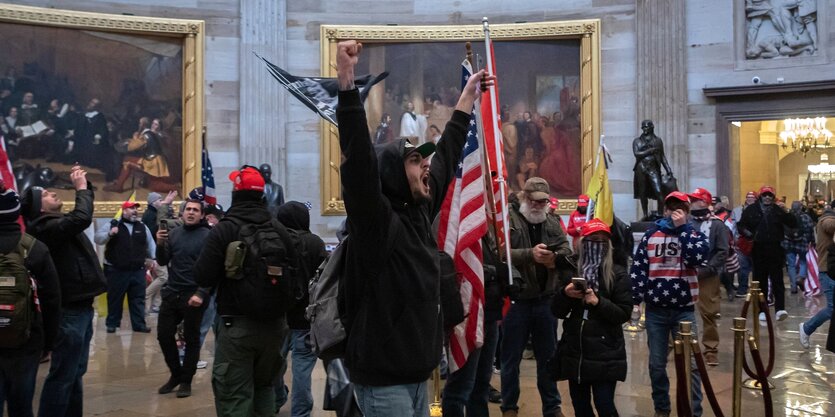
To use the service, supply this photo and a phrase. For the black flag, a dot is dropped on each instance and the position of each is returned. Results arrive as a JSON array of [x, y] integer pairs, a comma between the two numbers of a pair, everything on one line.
[[320, 94]]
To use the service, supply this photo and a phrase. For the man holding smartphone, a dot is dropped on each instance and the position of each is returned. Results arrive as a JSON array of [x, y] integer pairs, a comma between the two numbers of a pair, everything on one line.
[[537, 242]]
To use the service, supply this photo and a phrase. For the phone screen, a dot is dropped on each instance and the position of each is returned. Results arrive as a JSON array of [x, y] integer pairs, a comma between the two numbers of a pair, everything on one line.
[[579, 283]]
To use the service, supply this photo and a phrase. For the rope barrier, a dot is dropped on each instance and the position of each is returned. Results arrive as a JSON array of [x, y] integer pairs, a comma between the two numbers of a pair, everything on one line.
[[700, 364], [758, 364], [682, 395]]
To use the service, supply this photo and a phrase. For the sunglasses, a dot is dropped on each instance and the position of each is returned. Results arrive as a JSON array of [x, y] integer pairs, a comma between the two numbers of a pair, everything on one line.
[[541, 201]]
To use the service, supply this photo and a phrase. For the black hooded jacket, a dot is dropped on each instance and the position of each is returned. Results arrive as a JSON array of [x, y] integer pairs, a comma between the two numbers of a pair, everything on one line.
[[72, 252], [209, 270], [391, 287], [295, 215]]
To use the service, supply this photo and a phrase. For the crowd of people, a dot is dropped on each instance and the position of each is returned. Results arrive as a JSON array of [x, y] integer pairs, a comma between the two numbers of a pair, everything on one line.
[[243, 272]]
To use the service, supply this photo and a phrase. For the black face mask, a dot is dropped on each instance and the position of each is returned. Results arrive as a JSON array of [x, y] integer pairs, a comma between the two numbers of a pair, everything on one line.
[[700, 213]]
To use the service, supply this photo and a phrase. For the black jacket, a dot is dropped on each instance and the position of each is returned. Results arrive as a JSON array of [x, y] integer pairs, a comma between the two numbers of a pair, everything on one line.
[[179, 252], [295, 215], [39, 264], [150, 219], [209, 270], [392, 290], [765, 223], [593, 350], [72, 252]]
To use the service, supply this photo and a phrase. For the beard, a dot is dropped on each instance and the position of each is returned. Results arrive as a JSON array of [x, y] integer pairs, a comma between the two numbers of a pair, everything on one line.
[[532, 215]]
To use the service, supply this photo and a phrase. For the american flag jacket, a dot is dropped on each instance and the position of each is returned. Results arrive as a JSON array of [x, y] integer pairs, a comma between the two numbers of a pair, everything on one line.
[[663, 269]]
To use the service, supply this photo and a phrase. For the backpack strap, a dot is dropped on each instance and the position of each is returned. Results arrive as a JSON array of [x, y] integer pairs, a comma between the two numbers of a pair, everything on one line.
[[25, 245]]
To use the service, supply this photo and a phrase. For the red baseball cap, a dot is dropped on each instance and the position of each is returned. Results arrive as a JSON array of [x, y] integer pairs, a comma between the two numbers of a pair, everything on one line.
[[678, 195], [554, 202], [128, 204], [247, 179], [701, 194], [594, 226], [767, 189], [583, 200]]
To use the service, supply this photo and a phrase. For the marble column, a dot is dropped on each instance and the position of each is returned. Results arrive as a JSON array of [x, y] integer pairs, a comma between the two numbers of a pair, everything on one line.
[[662, 77], [263, 103]]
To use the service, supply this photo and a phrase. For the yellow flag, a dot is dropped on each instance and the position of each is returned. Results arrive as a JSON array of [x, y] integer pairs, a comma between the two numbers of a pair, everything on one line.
[[131, 199], [601, 205]]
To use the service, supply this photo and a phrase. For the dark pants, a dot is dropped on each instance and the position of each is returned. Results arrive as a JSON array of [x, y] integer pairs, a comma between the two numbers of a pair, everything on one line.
[[469, 386], [119, 283], [17, 383], [604, 398], [63, 389], [247, 361], [768, 259], [175, 309], [477, 404], [529, 318]]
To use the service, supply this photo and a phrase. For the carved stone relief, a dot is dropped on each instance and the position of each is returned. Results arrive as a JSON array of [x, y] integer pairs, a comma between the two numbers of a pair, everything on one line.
[[781, 28]]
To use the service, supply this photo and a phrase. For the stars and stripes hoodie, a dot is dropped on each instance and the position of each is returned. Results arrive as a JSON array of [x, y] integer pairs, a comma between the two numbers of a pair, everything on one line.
[[664, 269]]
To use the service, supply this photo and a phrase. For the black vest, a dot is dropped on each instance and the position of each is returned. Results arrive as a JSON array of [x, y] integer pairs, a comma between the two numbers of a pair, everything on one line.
[[127, 250]]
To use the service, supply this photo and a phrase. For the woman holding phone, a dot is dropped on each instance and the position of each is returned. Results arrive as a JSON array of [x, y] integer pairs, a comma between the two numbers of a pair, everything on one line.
[[594, 305]]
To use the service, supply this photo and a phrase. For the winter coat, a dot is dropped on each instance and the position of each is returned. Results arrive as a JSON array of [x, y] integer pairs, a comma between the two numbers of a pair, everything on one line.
[[592, 347], [72, 252], [392, 290], [521, 254], [824, 231]]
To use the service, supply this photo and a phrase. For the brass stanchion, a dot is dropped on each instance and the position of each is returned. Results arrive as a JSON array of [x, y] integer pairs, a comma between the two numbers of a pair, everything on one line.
[[685, 332], [635, 326], [739, 354], [682, 380], [435, 409]]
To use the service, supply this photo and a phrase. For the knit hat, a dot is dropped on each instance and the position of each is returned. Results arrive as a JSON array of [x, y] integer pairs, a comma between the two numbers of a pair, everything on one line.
[[153, 197], [30, 204], [247, 179], [197, 193], [9, 204]]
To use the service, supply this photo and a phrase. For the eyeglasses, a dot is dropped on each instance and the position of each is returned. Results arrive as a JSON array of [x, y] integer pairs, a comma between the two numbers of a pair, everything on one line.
[[541, 201]]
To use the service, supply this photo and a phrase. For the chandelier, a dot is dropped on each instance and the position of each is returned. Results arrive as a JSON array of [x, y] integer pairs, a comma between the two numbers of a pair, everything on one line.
[[805, 134]]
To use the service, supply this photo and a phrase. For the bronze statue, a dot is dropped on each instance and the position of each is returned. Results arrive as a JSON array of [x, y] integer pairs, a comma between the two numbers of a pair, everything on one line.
[[273, 193], [649, 158]]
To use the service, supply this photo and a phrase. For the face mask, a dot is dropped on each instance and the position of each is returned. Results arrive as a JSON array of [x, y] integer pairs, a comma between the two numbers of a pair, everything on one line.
[[700, 213]]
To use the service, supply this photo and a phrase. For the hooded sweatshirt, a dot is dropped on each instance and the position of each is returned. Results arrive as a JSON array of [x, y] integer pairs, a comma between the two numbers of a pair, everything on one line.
[[664, 269], [392, 289]]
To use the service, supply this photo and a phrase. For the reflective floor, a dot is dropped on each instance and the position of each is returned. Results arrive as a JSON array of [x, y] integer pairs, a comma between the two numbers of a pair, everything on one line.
[[126, 369]]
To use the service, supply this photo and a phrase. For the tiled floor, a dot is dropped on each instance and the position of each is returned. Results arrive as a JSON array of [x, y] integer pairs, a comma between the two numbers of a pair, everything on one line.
[[127, 368]]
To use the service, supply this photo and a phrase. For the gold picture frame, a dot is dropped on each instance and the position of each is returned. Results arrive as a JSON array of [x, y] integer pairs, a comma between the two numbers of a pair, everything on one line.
[[185, 106], [585, 33]]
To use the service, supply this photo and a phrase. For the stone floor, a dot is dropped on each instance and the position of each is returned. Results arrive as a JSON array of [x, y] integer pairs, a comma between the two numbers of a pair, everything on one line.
[[126, 369]]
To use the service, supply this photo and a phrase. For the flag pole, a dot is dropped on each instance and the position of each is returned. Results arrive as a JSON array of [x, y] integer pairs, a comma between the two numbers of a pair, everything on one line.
[[488, 44], [593, 199]]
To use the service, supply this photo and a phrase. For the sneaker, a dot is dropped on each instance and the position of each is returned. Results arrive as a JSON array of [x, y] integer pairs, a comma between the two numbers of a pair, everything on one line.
[[711, 359], [169, 386], [495, 396], [804, 338], [145, 329], [762, 316], [497, 371], [202, 364], [782, 315], [527, 354], [184, 391]]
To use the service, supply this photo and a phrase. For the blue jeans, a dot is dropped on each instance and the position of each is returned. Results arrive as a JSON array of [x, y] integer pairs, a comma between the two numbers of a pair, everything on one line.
[[303, 362], [408, 400], [661, 323], [208, 319], [745, 268], [459, 390], [119, 283], [604, 398], [17, 383], [828, 286], [534, 318], [63, 389], [791, 259]]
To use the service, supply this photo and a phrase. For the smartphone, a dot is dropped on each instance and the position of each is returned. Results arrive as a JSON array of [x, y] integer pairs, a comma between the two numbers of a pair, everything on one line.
[[553, 247], [163, 226], [579, 283]]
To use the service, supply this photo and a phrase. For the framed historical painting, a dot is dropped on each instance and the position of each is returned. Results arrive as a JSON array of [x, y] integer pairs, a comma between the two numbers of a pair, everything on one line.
[[122, 96], [549, 95]]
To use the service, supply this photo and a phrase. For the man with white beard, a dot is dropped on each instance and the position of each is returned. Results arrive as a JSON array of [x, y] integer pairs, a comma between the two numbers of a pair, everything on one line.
[[537, 244]]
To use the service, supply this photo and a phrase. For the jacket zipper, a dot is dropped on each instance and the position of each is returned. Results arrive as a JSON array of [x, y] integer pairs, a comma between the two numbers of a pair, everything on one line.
[[580, 363]]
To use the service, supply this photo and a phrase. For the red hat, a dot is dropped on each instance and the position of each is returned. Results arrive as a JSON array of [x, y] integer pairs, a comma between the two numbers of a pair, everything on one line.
[[767, 189], [701, 194], [247, 179], [678, 195], [594, 226], [554, 202], [583, 200], [128, 204]]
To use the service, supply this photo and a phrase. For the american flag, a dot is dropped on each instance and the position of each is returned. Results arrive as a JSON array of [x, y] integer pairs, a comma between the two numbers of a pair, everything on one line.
[[208, 178], [812, 286], [463, 223], [491, 138]]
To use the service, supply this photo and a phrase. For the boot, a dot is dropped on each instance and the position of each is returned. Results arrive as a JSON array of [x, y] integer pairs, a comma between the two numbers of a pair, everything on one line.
[[184, 391], [170, 385]]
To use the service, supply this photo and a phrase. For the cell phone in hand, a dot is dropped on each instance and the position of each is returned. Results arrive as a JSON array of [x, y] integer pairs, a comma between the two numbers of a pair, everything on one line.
[[163, 226], [553, 247], [579, 283]]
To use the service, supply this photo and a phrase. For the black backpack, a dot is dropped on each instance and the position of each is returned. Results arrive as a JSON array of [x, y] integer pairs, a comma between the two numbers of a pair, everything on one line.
[[264, 270], [17, 296]]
